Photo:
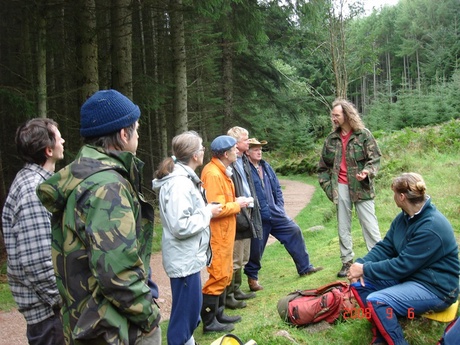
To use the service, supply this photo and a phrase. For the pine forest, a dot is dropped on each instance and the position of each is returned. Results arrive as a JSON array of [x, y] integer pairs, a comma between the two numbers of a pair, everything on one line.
[[272, 67]]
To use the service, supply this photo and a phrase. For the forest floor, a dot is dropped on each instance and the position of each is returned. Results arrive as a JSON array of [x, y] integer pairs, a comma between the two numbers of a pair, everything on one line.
[[296, 197]]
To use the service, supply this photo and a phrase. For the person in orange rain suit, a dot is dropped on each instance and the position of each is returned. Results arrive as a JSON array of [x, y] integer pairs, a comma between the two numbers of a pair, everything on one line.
[[217, 182]]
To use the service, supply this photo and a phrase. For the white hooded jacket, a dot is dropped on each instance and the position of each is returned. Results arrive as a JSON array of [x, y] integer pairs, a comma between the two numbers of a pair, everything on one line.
[[185, 220]]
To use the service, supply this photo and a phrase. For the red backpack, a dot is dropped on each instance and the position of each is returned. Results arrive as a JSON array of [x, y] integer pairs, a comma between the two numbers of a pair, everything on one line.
[[326, 303]]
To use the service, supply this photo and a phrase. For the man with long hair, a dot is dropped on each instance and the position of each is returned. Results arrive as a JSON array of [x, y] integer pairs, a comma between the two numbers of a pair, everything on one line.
[[349, 162]]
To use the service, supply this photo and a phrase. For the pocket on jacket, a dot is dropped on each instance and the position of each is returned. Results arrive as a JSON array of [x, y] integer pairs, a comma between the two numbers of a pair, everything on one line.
[[242, 222]]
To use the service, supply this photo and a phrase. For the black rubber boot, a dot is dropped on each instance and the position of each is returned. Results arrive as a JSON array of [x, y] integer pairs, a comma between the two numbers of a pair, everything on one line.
[[230, 301], [221, 317], [236, 282], [209, 316]]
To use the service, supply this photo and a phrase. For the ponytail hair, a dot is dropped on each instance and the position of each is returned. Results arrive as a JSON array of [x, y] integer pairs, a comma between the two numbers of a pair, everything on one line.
[[184, 146]]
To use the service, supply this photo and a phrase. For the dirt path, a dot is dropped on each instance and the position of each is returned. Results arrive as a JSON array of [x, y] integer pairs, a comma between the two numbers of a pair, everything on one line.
[[296, 197]]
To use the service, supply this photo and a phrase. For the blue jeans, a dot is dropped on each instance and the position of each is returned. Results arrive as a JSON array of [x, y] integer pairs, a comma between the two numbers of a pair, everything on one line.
[[389, 299], [289, 234]]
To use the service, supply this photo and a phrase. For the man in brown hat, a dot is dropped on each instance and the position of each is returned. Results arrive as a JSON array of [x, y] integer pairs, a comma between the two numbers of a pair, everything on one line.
[[275, 221]]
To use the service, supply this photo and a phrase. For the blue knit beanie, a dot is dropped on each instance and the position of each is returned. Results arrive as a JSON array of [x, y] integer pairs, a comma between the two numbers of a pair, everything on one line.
[[106, 112]]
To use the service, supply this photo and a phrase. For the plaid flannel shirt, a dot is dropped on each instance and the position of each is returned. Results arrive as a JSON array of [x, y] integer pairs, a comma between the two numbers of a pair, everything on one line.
[[27, 235]]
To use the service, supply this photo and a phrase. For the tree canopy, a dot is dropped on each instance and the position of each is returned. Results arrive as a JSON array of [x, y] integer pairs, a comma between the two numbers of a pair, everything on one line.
[[269, 66]]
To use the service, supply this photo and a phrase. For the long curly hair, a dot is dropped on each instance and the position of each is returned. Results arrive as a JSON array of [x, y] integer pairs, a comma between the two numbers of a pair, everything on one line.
[[350, 112]]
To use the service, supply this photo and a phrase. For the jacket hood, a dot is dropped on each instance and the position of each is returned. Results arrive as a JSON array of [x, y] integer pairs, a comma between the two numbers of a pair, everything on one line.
[[179, 170], [55, 191]]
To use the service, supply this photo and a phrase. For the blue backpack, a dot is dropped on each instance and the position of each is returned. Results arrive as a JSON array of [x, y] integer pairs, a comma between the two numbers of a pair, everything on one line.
[[451, 334]]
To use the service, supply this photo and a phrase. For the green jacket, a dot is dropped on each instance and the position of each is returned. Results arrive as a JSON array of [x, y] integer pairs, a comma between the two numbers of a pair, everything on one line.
[[102, 233], [362, 152]]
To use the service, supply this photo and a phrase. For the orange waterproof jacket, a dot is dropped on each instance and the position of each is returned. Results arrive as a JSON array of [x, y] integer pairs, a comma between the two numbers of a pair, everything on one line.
[[219, 188]]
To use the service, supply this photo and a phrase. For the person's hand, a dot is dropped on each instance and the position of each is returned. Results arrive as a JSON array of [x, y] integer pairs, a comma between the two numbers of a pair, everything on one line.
[[355, 273], [215, 208], [362, 175], [354, 280], [242, 201]]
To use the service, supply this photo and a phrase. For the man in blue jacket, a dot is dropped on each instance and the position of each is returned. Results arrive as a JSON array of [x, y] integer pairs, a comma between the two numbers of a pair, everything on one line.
[[275, 221]]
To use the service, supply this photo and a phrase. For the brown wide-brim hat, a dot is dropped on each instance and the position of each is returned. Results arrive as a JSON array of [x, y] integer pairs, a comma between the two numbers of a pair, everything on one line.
[[255, 142]]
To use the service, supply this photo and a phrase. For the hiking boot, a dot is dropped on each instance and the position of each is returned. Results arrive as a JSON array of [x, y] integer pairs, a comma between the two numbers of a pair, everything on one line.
[[344, 270], [254, 285], [311, 271]]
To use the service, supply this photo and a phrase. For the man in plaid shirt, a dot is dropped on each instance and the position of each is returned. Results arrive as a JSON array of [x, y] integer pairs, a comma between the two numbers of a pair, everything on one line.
[[27, 233]]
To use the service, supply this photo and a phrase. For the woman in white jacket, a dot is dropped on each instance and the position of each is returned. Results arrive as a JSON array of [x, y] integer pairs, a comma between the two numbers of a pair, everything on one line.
[[185, 243]]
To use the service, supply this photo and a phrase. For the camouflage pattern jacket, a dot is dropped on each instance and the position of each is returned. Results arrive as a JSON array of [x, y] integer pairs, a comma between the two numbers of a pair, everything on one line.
[[362, 152], [101, 244]]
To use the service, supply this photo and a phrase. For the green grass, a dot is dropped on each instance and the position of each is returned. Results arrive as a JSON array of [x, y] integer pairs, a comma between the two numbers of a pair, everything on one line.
[[6, 299], [261, 321], [407, 150]]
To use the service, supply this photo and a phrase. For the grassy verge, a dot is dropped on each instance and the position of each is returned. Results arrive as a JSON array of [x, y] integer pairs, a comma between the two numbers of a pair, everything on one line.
[[434, 154], [6, 299], [261, 321]]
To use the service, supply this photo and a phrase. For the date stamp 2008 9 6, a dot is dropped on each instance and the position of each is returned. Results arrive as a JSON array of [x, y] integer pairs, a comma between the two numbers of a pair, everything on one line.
[[365, 313]]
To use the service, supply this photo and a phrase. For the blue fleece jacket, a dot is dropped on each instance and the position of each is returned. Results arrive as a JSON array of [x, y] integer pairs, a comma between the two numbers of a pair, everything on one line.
[[422, 249]]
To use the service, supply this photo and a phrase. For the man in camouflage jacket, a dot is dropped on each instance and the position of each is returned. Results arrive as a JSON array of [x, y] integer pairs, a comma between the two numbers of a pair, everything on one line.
[[102, 230], [349, 162]]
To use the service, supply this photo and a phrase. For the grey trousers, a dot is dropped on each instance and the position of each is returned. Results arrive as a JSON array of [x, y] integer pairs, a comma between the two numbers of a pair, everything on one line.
[[366, 216]]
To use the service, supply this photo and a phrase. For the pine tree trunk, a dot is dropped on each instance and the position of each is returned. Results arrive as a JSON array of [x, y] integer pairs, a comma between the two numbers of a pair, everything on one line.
[[41, 66], [227, 83], [180, 67], [419, 78], [122, 72], [89, 55], [338, 50]]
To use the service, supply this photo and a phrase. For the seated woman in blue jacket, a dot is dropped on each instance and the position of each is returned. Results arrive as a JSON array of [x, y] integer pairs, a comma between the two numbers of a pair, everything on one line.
[[413, 270]]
